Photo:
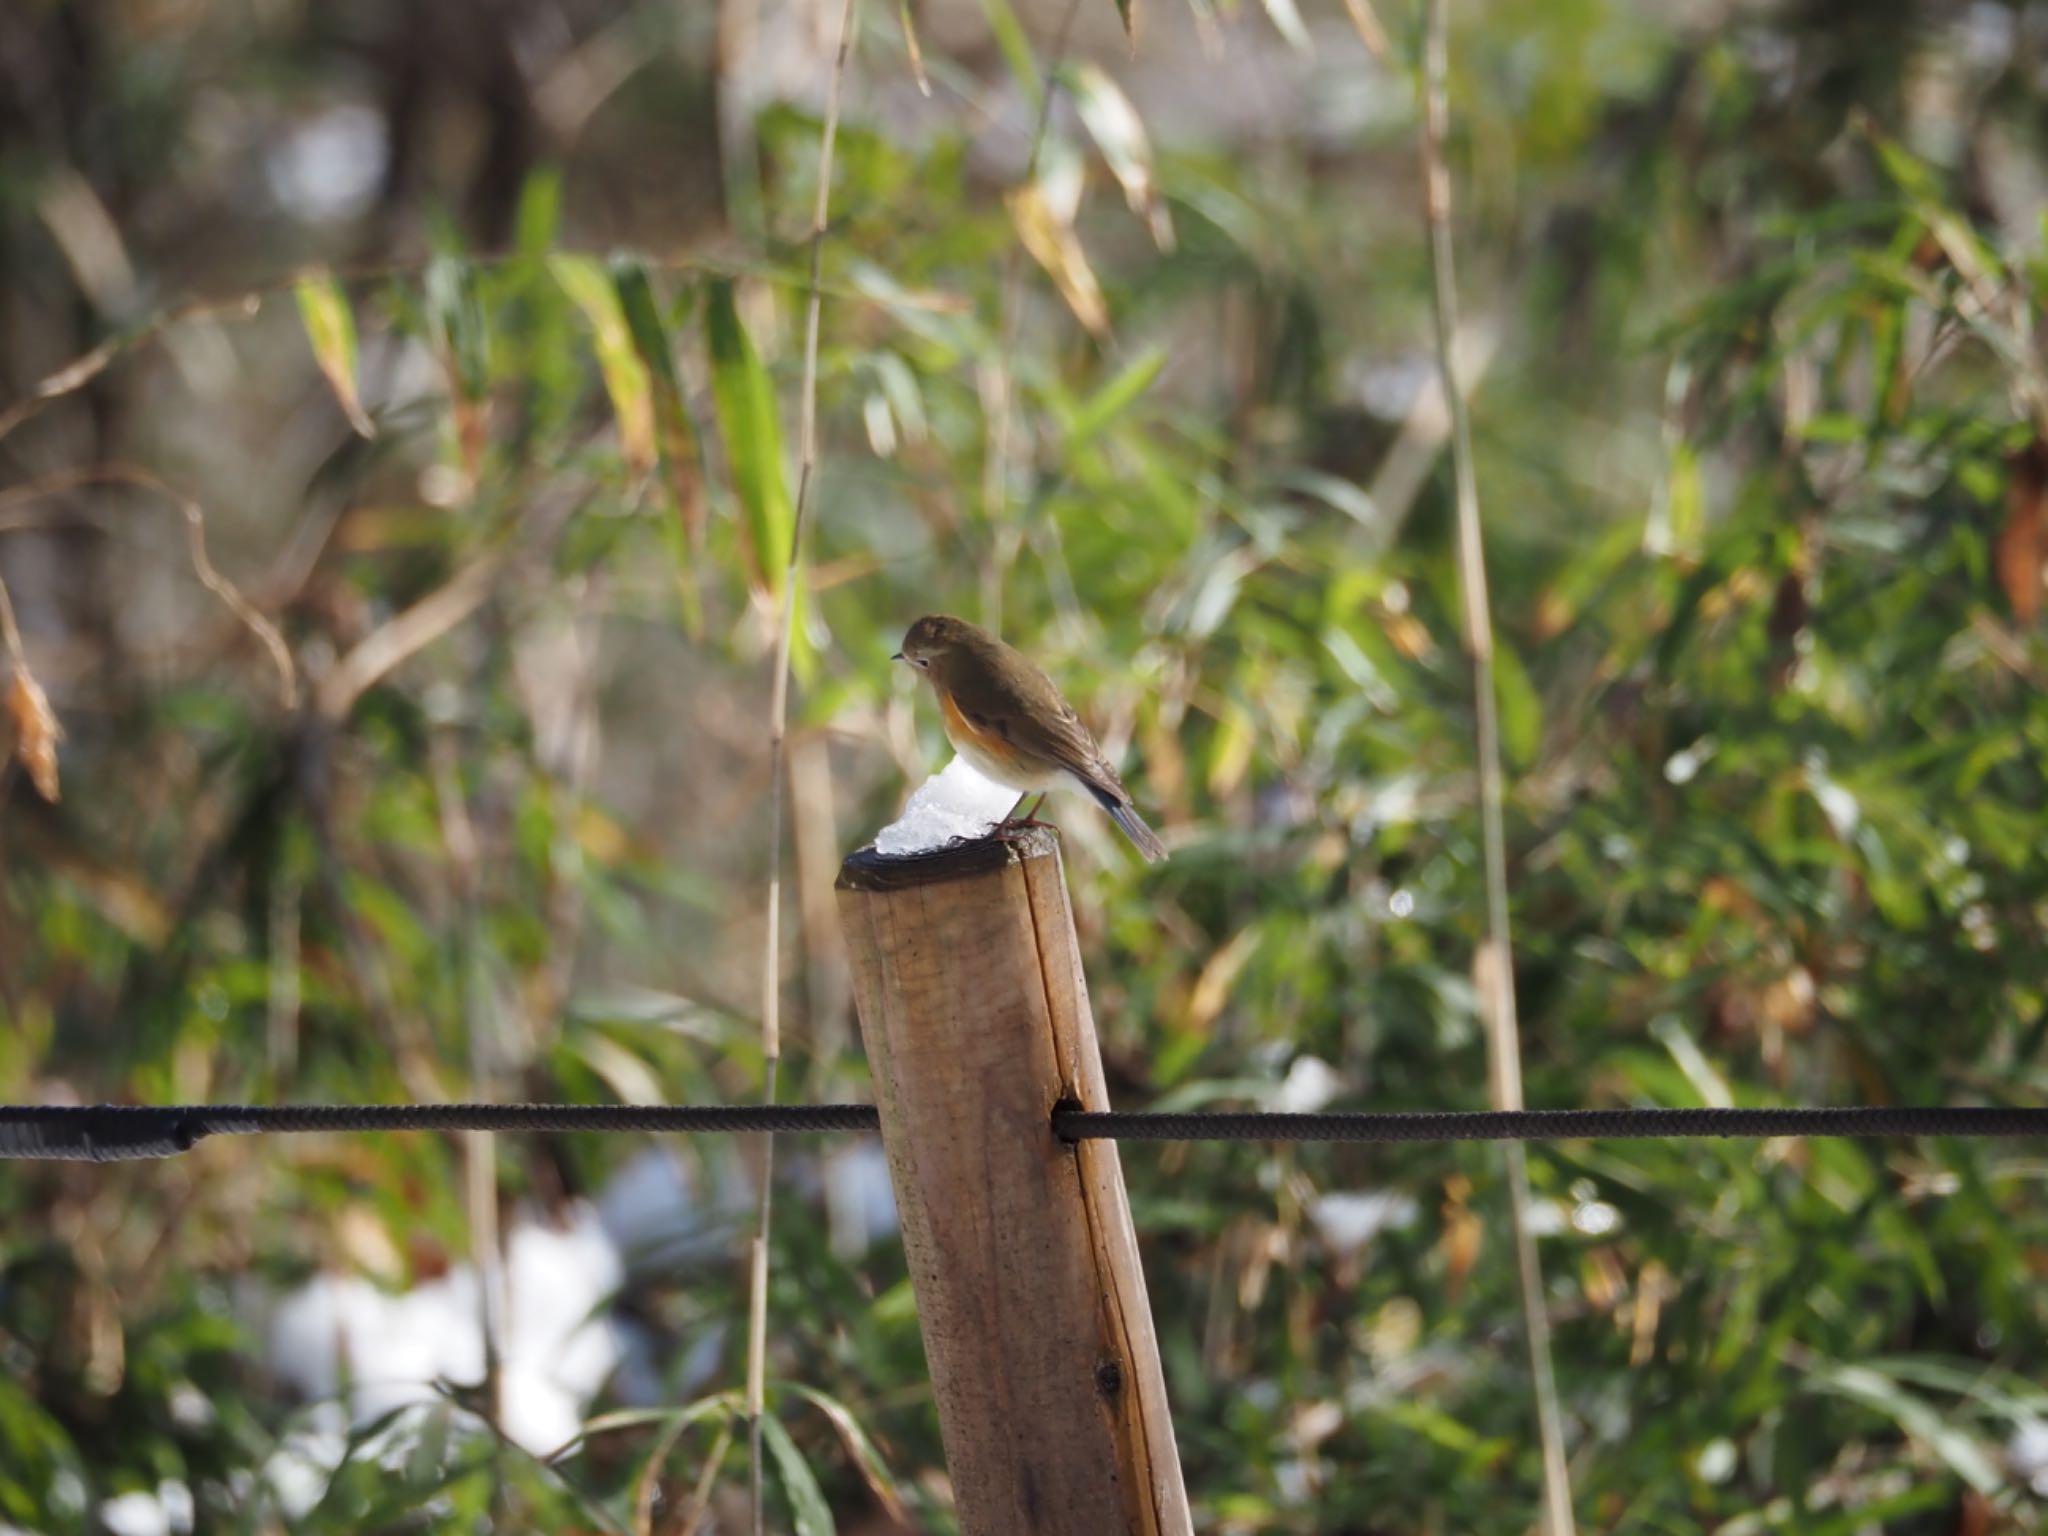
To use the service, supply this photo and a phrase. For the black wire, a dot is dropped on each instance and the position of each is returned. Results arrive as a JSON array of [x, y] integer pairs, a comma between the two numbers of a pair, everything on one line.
[[114, 1133], [1554, 1124], [105, 1133]]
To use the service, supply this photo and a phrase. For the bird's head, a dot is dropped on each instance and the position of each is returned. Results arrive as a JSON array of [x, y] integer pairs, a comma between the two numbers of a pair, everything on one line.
[[934, 641]]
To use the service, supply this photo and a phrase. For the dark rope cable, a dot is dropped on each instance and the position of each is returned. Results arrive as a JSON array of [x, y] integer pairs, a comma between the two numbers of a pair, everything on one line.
[[1554, 1124], [113, 1133]]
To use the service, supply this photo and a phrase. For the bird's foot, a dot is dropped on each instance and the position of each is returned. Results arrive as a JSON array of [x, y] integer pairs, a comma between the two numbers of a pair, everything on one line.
[[1016, 826]]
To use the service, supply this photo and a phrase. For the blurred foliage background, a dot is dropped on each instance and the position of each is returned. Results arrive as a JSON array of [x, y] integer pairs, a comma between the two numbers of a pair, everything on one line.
[[471, 332]]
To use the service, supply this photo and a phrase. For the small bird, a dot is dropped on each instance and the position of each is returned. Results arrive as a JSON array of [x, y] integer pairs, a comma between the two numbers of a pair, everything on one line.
[[1010, 722]]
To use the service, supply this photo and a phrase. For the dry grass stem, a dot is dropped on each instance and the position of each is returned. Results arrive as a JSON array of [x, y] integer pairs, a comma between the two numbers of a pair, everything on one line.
[[778, 721], [1494, 964]]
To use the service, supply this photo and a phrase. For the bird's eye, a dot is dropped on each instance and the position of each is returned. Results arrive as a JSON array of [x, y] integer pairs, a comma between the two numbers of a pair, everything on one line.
[[924, 663]]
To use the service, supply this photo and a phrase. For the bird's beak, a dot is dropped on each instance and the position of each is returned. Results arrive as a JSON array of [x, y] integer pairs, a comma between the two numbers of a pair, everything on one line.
[[897, 657]]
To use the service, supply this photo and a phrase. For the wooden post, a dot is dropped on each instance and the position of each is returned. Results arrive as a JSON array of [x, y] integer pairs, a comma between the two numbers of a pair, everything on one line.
[[1039, 1337]]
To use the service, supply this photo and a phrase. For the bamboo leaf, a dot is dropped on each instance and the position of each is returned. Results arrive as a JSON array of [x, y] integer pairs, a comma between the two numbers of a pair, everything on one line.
[[1054, 246], [1115, 397], [539, 220], [1370, 30], [809, 1511], [916, 53], [331, 329], [1585, 577], [1677, 522], [1521, 710], [675, 439], [881, 425], [1016, 47], [1106, 112], [455, 320], [1959, 1450], [1287, 21], [36, 732], [865, 1456], [906, 397], [745, 398], [590, 289]]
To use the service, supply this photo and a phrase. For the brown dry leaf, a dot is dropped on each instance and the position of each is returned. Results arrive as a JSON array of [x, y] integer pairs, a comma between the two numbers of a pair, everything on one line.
[[1408, 635], [2023, 541], [103, 1342], [1054, 246], [1721, 894], [36, 732], [366, 1240], [1654, 1286], [1462, 1233], [1261, 1243], [1975, 1514], [1370, 32], [1788, 1002], [1789, 609], [916, 53], [1603, 1279]]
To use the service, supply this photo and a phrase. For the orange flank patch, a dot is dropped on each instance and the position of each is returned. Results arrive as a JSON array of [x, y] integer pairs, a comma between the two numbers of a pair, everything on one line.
[[989, 754], [969, 739]]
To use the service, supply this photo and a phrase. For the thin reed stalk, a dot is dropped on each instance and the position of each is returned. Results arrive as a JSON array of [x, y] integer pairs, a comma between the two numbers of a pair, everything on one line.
[[1495, 963], [778, 721]]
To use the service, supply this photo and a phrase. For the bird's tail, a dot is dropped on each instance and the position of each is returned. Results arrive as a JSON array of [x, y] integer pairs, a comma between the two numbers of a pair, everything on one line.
[[1142, 837]]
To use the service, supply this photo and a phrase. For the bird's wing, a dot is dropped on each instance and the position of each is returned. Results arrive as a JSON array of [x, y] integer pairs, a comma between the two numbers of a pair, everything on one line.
[[1034, 717]]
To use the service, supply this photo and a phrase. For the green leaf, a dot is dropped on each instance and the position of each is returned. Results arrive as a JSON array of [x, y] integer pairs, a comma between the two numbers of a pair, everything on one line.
[[640, 1418], [331, 329], [1962, 1453], [865, 1455], [753, 438], [1110, 401], [591, 289], [1521, 710], [811, 1514], [1015, 47], [1907, 171], [906, 396], [1678, 524], [455, 321], [1339, 495], [456, 318], [675, 438], [539, 221]]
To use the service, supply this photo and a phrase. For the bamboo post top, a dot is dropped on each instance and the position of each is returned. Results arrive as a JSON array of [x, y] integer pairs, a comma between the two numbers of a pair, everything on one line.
[[867, 870]]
